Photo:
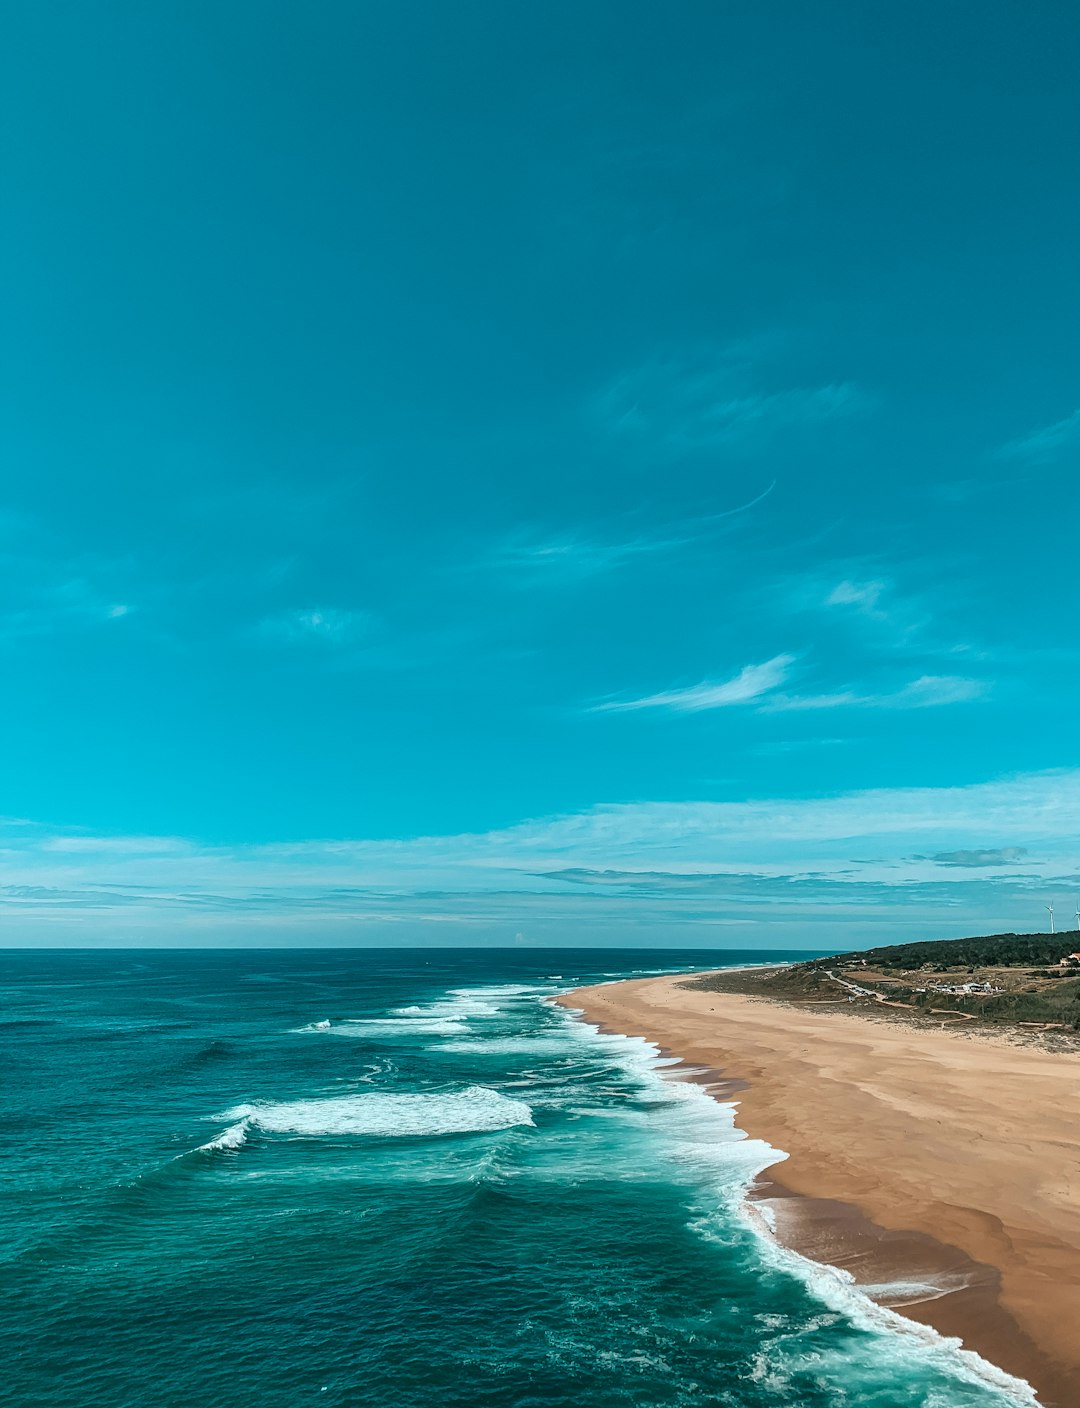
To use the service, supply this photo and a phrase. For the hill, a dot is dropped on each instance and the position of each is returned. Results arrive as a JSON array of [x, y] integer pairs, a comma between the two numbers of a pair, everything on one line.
[[1023, 981], [990, 950]]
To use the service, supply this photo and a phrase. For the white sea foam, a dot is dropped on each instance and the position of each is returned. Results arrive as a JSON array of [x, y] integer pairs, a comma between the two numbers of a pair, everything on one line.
[[498, 990], [474, 1109], [231, 1138], [464, 1003], [450, 1008], [323, 1026], [378, 1029], [896, 1335], [510, 1046], [702, 1131], [445, 1016]]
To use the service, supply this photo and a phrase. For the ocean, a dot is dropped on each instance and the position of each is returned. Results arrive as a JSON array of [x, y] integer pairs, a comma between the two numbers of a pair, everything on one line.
[[397, 1179]]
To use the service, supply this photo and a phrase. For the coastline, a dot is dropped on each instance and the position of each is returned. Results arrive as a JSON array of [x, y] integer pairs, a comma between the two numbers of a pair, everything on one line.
[[941, 1169]]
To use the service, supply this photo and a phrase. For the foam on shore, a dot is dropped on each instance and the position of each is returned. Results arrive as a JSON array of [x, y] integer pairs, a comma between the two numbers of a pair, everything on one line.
[[703, 1131]]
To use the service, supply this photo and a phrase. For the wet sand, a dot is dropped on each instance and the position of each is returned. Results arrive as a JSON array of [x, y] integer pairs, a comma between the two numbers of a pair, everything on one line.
[[941, 1168]]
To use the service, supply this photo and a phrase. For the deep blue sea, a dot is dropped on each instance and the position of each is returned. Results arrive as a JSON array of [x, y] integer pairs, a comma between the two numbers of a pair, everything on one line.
[[397, 1179]]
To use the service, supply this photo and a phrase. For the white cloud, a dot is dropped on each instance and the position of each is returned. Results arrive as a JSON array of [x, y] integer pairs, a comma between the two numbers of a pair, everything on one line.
[[760, 685], [573, 557], [317, 623], [686, 403], [37, 606], [864, 595], [926, 692], [886, 617], [49, 585], [749, 684], [124, 846], [826, 847], [1045, 444], [999, 855]]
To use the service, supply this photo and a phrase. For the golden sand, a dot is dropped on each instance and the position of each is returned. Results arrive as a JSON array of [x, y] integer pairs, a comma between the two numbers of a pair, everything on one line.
[[919, 1156]]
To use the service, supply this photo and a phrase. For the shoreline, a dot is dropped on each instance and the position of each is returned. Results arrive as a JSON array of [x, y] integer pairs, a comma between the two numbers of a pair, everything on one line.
[[940, 1169]]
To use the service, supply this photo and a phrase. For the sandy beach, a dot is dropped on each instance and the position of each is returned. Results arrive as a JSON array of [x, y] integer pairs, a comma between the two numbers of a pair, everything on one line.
[[941, 1168]]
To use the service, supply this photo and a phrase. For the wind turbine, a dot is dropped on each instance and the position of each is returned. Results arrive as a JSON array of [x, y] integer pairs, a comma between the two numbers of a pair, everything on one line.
[[1078, 920], [1050, 907]]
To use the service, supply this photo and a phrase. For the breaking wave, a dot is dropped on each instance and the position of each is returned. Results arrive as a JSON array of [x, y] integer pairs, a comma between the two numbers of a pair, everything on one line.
[[380, 1028], [232, 1138], [510, 1046], [475, 1109]]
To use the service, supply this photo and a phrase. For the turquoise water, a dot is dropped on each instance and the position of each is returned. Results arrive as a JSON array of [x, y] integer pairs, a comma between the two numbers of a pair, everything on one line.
[[395, 1179]]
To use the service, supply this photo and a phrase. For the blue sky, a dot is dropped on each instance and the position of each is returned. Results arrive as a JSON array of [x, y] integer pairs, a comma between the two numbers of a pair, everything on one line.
[[484, 473]]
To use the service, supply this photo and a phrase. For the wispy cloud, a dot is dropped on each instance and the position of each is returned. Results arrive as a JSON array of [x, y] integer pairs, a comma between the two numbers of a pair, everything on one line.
[[46, 587], [761, 686], [929, 691], [800, 860], [864, 596], [1002, 855], [926, 692], [577, 556], [1046, 444], [47, 607], [684, 407], [887, 616], [883, 611], [128, 847], [712, 518], [318, 624], [749, 684]]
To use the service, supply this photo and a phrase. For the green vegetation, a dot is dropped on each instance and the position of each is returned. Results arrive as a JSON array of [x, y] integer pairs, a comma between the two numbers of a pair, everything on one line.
[[990, 951], [1012, 980], [1056, 1005]]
